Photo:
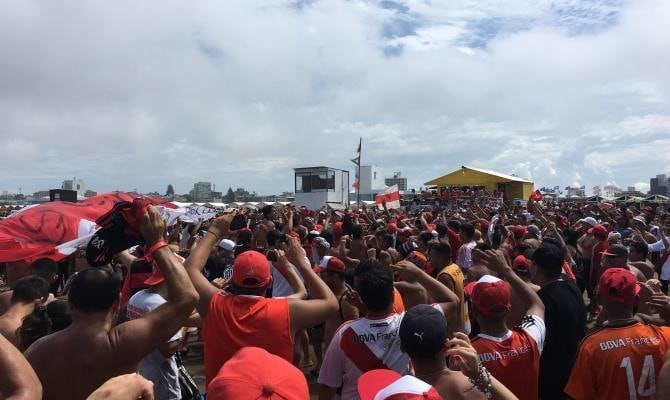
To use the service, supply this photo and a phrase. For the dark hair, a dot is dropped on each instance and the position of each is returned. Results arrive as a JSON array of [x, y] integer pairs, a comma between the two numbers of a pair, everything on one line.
[[570, 236], [267, 210], [425, 237], [640, 247], [468, 230], [329, 237], [94, 290], [45, 320], [29, 289], [549, 258], [374, 283], [357, 232], [441, 247], [454, 224], [441, 229], [552, 240], [273, 237], [45, 268]]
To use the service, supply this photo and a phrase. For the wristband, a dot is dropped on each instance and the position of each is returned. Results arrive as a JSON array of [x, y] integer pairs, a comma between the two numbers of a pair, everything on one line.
[[158, 245]]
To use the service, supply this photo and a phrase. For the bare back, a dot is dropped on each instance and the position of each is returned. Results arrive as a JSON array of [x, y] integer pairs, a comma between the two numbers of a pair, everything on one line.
[[72, 363]]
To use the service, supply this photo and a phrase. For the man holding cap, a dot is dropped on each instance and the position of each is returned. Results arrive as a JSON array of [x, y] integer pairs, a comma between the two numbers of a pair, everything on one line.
[[620, 360], [502, 351], [331, 270], [241, 316], [423, 336]]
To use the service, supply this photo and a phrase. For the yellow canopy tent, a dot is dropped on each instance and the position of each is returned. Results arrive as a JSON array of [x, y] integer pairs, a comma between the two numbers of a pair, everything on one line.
[[513, 187]]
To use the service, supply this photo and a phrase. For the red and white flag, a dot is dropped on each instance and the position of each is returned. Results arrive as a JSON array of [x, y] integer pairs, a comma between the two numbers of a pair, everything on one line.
[[56, 229], [391, 196]]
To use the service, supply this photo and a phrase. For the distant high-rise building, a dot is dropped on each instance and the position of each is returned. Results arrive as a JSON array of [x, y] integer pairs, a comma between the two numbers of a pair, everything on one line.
[[202, 191], [659, 185], [397, 179]]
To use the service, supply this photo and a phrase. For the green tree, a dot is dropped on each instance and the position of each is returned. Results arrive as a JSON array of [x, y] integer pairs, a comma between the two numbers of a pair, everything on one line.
[[230, 196], [169, 191]]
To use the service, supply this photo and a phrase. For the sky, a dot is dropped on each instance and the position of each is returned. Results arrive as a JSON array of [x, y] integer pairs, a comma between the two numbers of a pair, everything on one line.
[[129, 94]]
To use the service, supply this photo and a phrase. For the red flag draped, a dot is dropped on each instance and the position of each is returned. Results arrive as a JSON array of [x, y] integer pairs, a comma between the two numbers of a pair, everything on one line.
[[36, 231]]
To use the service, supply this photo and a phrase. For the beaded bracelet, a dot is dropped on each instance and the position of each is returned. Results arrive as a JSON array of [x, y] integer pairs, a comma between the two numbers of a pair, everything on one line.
[[483, 382]]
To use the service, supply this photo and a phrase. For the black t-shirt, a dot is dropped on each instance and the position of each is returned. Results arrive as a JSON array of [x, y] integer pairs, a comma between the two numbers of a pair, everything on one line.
[[565, 318]]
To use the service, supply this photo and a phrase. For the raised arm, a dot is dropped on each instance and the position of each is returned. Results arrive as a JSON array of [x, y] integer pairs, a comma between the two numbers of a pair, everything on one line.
[[198, 258], [138, 337], [291, 274], [495, 261], [18, 381], [448, 301], [322, 303]]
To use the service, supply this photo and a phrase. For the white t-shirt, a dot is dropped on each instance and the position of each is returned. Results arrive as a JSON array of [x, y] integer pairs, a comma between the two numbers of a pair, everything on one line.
[[155, 367], [360, 344], [665, 268], [280, 285], [465, 255]]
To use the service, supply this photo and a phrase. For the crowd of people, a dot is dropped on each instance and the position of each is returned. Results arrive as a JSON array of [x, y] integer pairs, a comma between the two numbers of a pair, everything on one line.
[[542, 301]]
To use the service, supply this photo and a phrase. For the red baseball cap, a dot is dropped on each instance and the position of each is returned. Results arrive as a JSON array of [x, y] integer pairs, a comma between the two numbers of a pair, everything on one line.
[[521, 264], [518, 230], [490, 295], [337, 228], [392, 228], [618, 285], [386, 384], [332, 263], [251, 270], [253, 373], [598, 231]]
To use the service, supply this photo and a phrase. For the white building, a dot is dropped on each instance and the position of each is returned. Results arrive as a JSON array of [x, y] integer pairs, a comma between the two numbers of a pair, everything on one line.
[[202, 191], [316, 187], [75, 184], [371, 181]]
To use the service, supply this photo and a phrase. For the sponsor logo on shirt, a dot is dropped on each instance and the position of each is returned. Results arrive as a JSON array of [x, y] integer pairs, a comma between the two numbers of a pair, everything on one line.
[[624, 342], [504, 355]]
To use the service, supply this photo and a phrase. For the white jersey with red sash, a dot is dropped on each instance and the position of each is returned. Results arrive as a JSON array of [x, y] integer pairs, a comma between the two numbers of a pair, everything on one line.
[[362, 345]]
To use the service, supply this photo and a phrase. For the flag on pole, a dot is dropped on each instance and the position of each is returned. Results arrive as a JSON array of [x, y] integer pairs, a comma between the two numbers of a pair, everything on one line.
[[391, 196], [357, 159]]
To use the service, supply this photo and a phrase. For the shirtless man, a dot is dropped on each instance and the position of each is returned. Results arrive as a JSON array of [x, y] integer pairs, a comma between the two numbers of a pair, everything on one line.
[[92, 350], [265, 226], [29, 293], [17, 381], [42, 267], [331, 271], [637, 257]]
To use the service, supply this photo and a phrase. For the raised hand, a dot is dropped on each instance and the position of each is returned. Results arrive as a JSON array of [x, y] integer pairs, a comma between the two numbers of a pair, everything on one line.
[[152, 226]]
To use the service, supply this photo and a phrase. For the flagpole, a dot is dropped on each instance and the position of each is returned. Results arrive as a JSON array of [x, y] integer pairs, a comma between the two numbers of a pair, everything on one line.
[[358, 187]]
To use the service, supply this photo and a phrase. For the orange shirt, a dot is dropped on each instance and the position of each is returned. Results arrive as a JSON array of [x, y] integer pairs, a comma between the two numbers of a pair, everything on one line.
[[619, 363], [398, 304], [515, 358], [234, 322]]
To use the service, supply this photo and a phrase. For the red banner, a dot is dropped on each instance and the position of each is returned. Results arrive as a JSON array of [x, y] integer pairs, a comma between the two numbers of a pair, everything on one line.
[[36, 231]]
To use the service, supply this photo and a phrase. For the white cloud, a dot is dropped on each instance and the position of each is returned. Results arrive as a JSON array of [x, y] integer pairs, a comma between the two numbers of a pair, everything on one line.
[[130, 94]]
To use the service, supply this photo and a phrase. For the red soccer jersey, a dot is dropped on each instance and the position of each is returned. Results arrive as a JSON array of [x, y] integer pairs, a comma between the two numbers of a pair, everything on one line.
[[619, 363], [514, 359]]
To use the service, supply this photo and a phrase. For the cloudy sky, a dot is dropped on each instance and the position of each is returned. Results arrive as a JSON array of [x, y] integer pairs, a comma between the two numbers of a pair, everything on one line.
[[129, 94]]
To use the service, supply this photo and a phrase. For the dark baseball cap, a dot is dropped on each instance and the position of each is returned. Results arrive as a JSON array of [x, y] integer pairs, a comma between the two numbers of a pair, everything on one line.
[[423, 331], [616, 250]]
